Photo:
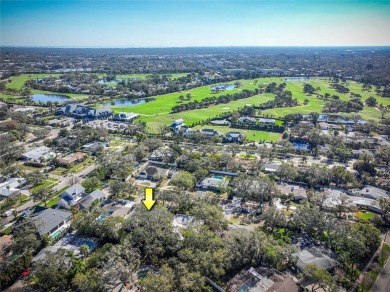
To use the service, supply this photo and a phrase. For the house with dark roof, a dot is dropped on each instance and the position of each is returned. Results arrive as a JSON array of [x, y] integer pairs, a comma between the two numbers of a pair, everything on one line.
[[153, 172], [51, 221], [210, 132], [234, 137], [99, 113], [71, 196], [87, 201], [177, 125]]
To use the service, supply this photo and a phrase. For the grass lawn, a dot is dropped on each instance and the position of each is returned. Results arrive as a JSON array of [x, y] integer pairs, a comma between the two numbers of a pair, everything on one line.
[[49, 182], [251, 135], [157, 112], [73, 168], [364, 215]]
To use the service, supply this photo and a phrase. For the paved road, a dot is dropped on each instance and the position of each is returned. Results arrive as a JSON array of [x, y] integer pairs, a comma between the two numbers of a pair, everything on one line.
[[382, 283]]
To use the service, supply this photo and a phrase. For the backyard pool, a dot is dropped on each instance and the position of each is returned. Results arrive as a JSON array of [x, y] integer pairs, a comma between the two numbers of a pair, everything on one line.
[[81, 241], [218, 177], [301, 146], [105, 215]]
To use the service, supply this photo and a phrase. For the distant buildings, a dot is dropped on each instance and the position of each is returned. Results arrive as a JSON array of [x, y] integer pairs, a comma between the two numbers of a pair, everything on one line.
[[178, 125], [214, 183], [210, 132], [374, 193], [82, 111]]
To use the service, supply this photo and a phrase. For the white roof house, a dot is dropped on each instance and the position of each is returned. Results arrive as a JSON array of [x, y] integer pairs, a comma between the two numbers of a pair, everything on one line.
[[374, 193], [10, 186], [125, 117], [37, 154]]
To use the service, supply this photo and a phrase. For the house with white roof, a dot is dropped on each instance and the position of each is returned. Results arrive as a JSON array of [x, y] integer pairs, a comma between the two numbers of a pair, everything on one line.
[[11, 186], [125, 117], [374, 193], [38, 154]]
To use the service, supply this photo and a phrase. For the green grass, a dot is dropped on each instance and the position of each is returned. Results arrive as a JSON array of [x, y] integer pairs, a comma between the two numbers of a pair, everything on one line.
[[157, 112], [73, 168], [364, 215], [251, 135], [50, 182]]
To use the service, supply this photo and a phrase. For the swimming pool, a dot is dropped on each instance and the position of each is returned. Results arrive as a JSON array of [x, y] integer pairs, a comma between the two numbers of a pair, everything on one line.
[[301, 146], [81, 241], [105, 215], [218, 177]]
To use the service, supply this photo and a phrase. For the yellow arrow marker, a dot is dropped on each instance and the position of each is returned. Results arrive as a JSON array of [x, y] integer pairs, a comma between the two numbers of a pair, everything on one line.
[[148, 202]]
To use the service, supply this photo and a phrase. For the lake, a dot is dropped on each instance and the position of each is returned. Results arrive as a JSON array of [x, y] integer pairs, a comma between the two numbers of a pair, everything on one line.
[[297, 79], [49, 97], [126, 102], [103, 81], [223, 86]]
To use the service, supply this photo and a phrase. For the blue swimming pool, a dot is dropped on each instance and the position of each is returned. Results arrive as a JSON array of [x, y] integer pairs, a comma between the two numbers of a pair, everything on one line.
[[301, 146], [105, 215], [81, 241], [218, 177]]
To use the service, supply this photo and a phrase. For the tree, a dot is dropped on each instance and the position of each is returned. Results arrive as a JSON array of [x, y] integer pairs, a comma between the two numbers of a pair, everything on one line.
[[91, 184], [273, 218], [340, 175], [34, 178], [384, 110], [384, 154], [371, 101], [51, 272], [287, 171], [42, 194], [384, 205], [163, 281], [342, 203], [320, 277], [183, 180], [314, 117]]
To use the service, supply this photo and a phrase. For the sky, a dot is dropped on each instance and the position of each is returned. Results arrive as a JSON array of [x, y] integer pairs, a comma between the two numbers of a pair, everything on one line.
[[187, 23]]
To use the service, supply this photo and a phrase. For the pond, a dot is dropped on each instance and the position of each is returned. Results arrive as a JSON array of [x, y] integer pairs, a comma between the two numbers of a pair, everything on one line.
[[104, 81], [297, 79], [223, 87], [49, 97], [126, 102]]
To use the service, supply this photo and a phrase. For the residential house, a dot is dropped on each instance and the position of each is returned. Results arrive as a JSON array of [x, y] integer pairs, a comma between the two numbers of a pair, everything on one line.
[[10, 187], [374, 193], [94, 146], [71, 196], [73, 158], [177, 125], [313, 255], [261, 280], [119, 208], [210, 132], [125, 117], [153, 173], [51, 221], [247, 120], [267, 121], [214, 183], [38, 154], [87, 201], [183, 222], [298, 192], [271, 167], [234, 137]]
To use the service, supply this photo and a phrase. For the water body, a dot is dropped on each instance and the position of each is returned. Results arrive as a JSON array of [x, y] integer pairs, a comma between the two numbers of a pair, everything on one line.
[[297, 79], [103, 81], [126, 102], [223, 86], [50, 97]]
